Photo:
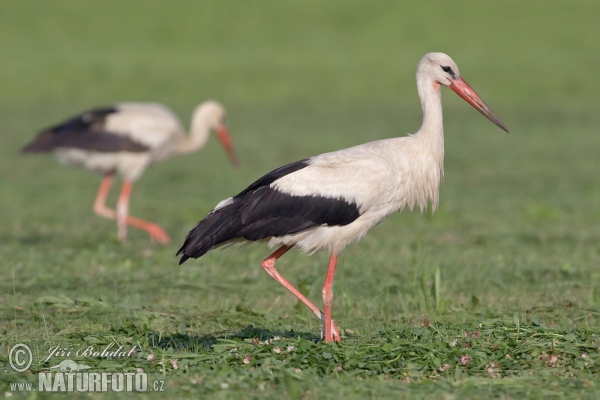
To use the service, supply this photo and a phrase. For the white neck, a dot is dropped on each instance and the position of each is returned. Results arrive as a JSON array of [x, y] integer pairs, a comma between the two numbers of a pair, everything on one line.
[[429, 141], [431, 103], [431, 133], [199, 132]]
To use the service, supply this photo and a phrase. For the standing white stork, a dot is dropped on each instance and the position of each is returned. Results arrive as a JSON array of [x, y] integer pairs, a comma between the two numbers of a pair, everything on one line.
[[334, 199], [128, 138]]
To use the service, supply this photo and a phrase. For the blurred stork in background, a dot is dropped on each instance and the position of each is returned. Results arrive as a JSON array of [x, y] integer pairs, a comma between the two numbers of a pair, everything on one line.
[[127, 138]]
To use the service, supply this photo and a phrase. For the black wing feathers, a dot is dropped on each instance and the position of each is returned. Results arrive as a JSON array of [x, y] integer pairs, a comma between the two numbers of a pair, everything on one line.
[[272, 176], [84, 132], [260, 212], [90, 120]]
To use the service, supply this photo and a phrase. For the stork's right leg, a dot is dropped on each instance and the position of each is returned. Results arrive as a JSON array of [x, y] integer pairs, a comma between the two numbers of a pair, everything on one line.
[[330, 335], [124, 219], [100, 202], [269, 265]]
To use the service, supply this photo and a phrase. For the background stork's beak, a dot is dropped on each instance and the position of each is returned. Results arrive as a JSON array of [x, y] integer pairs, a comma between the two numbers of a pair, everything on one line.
[[225, 139], [465, 91]]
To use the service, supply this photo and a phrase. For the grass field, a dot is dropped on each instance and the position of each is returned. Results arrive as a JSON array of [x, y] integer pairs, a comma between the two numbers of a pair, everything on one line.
[[495, 295]]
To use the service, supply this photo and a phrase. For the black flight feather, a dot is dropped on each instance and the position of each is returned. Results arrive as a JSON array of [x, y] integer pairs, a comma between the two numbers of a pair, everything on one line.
[[260, 212], [86, 132]]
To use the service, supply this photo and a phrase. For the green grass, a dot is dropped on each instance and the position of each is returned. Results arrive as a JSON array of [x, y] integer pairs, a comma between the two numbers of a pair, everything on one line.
[[508, 266]]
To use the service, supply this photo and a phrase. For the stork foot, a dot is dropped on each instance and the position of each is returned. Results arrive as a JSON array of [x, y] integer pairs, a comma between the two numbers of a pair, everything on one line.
[[157, 234], [335, 334]]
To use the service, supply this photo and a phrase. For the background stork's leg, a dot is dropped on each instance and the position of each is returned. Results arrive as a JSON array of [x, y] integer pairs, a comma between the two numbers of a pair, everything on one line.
[[330, 333], [123, 218], [100, 202], [268, 265]]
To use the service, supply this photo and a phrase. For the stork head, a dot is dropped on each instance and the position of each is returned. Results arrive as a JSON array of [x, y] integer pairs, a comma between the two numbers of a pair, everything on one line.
[[213, 114], [442, 70], [439, 67]]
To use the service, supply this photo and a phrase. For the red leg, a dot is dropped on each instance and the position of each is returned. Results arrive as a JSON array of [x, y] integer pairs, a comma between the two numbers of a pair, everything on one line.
[[123, 218], [330, 335], [269, 266], [100, 202]]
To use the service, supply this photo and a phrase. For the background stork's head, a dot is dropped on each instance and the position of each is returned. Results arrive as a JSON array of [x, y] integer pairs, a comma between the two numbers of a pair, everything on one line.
[[213, 114], [439, 69]]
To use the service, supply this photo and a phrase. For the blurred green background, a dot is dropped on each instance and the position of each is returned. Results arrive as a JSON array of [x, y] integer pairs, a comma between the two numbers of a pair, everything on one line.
[[518, 228], [301, 78]]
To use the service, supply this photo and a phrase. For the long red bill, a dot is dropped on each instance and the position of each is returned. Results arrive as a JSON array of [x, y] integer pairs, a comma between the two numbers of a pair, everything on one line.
[[225, 138], [465, 91]]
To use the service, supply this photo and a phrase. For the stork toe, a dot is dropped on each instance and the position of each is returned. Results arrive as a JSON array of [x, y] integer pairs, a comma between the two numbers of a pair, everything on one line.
[[157, 234], [335, 333]]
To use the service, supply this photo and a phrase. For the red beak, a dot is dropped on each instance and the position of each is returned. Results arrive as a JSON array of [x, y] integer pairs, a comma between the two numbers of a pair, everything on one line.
[[465, 91], [225, 139]]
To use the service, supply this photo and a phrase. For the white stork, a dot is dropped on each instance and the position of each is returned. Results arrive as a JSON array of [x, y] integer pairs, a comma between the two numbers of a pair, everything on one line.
[[334, 199], [128, 138]]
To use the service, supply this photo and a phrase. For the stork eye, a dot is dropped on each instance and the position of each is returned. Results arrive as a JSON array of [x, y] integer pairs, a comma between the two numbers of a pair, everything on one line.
[[448, 70]]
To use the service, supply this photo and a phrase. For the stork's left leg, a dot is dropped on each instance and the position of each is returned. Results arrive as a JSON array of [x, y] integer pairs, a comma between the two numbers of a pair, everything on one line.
[[330, 336], [123, 218], [100, 202]]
